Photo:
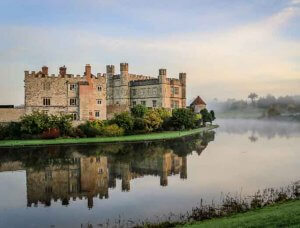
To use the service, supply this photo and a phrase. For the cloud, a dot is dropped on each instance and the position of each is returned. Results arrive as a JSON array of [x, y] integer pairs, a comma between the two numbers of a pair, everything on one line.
[[249, 57]]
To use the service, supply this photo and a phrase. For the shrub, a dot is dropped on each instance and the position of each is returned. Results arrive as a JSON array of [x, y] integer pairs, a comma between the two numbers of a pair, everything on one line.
[[164, 113], [139, 125], [35, 123], [14, 130], [112, 130], [3, 131], [139, 111], [124, 120], [51, 133], [153, 120], [89, 129], [183, 118], [206, 116], [62, 122]]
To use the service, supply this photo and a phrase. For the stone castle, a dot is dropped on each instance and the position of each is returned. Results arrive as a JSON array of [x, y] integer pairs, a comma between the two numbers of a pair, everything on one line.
[[100, 96]]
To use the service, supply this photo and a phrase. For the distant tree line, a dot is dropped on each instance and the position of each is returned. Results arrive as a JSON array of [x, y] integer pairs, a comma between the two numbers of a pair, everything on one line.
[[272, 105]]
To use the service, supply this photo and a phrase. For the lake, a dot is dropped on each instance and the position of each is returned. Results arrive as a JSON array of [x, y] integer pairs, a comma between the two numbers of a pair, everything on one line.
[[79, 186]]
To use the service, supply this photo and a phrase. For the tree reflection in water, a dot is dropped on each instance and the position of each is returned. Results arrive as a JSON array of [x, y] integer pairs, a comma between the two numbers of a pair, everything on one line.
[[89, 171]]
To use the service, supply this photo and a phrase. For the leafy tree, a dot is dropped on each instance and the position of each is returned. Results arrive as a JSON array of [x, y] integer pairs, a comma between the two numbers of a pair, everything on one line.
[[124, 120], [183, 118], [206, 116], [163, 113], [252, 96], [153, 120], [35, 123], [139, 111], [212, 113]]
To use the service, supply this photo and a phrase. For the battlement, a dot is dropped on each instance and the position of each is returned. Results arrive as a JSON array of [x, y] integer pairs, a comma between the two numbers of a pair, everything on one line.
[[62, 74]]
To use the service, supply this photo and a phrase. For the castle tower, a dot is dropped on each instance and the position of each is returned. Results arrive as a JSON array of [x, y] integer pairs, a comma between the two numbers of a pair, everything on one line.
[[162, 76]]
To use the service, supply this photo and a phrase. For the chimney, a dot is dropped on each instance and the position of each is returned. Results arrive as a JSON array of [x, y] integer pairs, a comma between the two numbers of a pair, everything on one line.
[[63, 71], [45, 70], [88, 71]]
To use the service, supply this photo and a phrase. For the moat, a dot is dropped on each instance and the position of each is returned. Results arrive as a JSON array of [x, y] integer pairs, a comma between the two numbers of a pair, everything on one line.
[[60, 186]]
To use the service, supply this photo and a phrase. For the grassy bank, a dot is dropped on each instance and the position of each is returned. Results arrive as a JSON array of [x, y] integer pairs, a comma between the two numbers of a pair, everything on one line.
[[278, 215], [127, 138]]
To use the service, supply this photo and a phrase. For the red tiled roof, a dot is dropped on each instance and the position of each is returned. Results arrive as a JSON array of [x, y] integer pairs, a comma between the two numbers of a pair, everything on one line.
[[198, 101]]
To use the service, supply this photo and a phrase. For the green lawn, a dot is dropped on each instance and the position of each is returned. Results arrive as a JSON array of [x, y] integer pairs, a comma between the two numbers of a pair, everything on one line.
[[128, 138], [279, 215]]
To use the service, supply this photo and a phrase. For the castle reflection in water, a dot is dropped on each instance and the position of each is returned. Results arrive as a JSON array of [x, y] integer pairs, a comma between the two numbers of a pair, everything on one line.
[[72, 173]]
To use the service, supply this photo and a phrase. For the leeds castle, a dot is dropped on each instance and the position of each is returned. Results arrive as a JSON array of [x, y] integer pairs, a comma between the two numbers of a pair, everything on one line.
[[100, 96]]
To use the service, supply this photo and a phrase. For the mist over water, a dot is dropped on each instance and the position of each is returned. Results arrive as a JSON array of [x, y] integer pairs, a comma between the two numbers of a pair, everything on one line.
[[92, 184]]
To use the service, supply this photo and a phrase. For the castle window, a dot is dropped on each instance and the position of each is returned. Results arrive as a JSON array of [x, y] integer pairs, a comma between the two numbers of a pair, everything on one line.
[[143, 103], [97, 114], [175, 104], [154, 103], [73, 87], [46, 85], [74, 115], [46, 101], [73, 101], [134, 103], [176, 90], [99, 88], [99, 101]]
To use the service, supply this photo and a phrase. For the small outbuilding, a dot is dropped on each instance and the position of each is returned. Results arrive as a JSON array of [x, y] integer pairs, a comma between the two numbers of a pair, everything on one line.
[[198, 104]]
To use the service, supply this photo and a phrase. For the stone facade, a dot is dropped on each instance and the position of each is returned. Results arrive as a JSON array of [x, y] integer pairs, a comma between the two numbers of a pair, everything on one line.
[[99, 97], [82, 96], [126, 90]]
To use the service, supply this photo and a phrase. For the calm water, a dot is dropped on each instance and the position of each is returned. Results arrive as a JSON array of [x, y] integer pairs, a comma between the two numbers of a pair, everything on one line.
[[75, 186]]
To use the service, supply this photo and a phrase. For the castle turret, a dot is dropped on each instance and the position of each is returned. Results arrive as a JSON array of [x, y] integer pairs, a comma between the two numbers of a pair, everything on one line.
[[124, 68], [110, 70], [162, 76], [45, 70], [63, 71], [182, 78]]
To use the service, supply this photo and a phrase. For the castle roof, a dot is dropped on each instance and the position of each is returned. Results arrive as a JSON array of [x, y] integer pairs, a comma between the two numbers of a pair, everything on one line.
[[198, 101]]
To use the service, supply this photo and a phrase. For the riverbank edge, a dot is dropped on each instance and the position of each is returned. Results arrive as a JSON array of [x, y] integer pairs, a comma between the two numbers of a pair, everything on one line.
[[271, 215], [127, 138]]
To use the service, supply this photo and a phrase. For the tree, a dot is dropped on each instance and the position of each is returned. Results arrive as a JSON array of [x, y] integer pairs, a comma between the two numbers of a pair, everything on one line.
[[183, 119], [212, 113], [139, 111], [124, 120], [206, 116], [252, 96], [153, 120]]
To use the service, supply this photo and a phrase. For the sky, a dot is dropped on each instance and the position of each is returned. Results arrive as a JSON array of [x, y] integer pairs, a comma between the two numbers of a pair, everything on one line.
[[228, 48]]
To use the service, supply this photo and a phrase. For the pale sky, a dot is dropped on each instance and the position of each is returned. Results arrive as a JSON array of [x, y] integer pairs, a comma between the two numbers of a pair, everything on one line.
[[228, 48]]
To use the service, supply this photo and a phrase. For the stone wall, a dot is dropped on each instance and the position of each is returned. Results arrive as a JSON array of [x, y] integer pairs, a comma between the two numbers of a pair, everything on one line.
[[11, 114], [68, 94]]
